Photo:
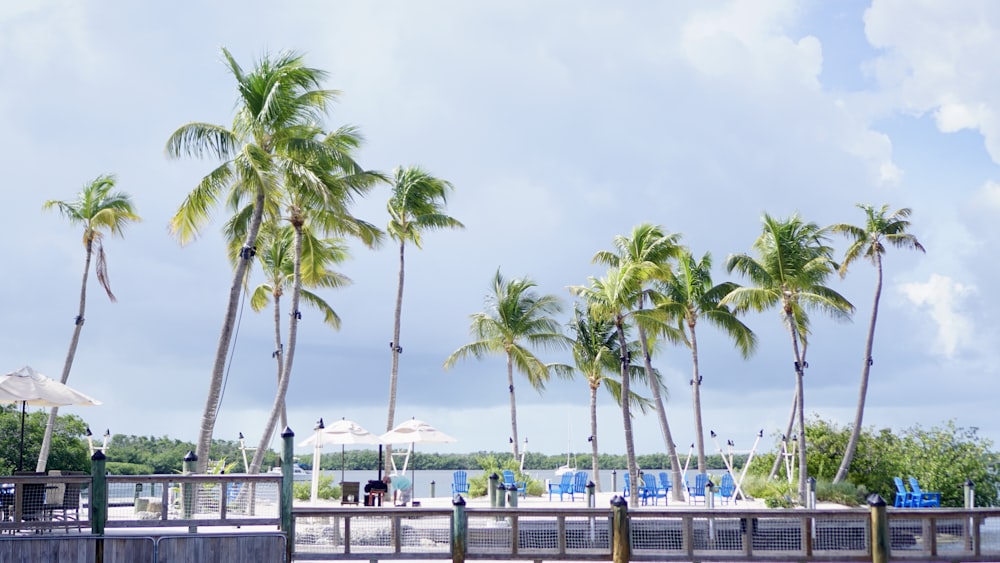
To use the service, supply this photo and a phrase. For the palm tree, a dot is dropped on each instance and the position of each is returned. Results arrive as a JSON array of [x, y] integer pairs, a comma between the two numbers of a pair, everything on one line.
[[793, 263], [597, 355], [517, 319], [98, 209], [869, 241], [646, 255], [688, 295], [416, 206], [277, 259], [272, 134]]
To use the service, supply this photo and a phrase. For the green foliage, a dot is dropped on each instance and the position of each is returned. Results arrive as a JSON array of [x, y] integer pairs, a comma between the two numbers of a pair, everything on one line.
[[69, 448], [120, 468], [166, 455], [303, 490], [491, 463]]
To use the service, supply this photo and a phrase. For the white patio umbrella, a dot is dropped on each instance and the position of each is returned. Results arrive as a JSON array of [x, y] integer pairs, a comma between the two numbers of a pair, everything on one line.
[[341, 432], [411, 432], [28, 387]]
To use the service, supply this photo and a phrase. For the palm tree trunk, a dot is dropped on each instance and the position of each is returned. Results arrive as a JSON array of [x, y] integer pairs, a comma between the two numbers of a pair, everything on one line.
[[800, 406], [788, 432], [699, 430], [633, 469], [661, 415], [852, 443], [396, 351], [289, 354], [594, 466], [211, 412], [278, 351], [513, 404], [43, 453]]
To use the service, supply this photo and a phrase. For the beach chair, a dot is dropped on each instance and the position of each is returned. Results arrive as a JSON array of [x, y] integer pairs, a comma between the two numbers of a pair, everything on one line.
[[665, 483], [698, 490], [922, 498], [579, 483], [727, 488], [903, 497], [509, 479], [563, 487], [650, 490], [628, 486], [459, 482]]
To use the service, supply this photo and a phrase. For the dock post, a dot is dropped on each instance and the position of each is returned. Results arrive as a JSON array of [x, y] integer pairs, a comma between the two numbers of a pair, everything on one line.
[[189, 491], [288, 489], [620, 540], [459, 536], [493, 480], [591, 503], [433, 485], [98, 493], [880, 529], [512, 495]]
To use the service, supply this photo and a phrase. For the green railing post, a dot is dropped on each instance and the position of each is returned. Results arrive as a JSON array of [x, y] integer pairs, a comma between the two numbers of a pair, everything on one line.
[[189, 492], [512, 495], [621, 549], [98, 493], [287, 489], [493, 480], [459, 536], [880, 529]]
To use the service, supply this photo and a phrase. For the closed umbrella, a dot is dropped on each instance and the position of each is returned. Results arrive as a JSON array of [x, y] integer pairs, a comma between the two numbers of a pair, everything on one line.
[[28, 387], [341, 432]]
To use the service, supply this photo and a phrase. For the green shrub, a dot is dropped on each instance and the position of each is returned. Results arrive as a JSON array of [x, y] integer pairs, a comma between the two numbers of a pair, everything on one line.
[[479, 485], [302, 490]]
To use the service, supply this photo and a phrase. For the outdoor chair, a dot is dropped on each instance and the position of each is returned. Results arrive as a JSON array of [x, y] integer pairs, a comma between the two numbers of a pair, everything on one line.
[[65, 505], [727, 488], [579, 483], [563, 487], [698, 490], [922, 498], [459, 483], [628, 486], [509, 479], [665, 483], [903, 497], [651, 490]]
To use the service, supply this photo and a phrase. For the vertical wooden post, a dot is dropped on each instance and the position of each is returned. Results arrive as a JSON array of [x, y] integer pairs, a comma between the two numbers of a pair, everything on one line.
[[459, 535], [591, 502], [512, 495], [493, 480], [288, 489], [98, 493], [189, 491], [880, 529], [621, 550]]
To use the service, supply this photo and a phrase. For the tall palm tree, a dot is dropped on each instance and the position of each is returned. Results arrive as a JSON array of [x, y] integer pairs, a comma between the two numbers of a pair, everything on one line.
[[689, 295], [597, 355], [416, 206], [612, 298], [517, 319], [646, 254], [98, 209], [869, 242], [272, 134], [277, 260], [793, 263]]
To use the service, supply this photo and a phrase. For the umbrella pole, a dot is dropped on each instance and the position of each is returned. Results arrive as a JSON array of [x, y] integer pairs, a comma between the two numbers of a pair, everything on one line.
[[20, 457], [380, 462], [343, 463]]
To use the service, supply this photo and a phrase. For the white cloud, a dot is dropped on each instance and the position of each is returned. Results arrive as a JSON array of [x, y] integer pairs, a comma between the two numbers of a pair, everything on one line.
[[943, 297]]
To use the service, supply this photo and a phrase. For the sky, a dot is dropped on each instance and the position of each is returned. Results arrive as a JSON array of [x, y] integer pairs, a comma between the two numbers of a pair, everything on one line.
[[561, 125]]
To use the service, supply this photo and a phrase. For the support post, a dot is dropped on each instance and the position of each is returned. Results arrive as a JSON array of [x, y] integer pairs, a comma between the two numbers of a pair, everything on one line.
[[709, 495], [98, 493], [620, 541], [969, 488], [188, 490], [811, 494], [591, 502], [494, 479], [287, 489], [459, 536], [614, 480], [512, 495], [433, 485], [880, 529]]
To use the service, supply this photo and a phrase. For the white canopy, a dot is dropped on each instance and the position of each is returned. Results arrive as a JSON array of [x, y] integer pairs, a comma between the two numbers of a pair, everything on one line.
[[342, 432], [415, 431], [29, 387]]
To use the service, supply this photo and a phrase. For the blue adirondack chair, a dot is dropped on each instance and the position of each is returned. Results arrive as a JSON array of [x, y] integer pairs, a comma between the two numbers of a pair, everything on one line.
[[727, 488], [698, 490], [579, 483], [923, 498], [459, 483], [563, 487], [665, 484], [509, 479], [650, 490], [904, 498], [628, 486]]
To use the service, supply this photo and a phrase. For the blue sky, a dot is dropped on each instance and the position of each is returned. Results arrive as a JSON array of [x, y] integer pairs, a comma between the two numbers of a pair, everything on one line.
[[561, 125]]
